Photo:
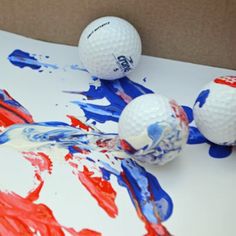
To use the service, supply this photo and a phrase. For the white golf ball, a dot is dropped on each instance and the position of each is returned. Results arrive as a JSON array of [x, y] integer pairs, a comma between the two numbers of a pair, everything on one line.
[[215, 111], [153, 129], [109, 48]]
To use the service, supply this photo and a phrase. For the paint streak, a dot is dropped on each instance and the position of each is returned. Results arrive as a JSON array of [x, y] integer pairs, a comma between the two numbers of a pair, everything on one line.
[[202, 97], [152, 203], [117, 92], [11, 111], [39, 160], [20, 216], [226, 80], [77, 123], [23, 59], [101, 190]]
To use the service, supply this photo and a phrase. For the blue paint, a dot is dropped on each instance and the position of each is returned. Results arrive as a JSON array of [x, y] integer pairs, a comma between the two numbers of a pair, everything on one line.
[[219, 151], [99, 112], [189, 113], [202, 97], [106, 174], [147, 191], [195, 137], [90, 159], [154, 132], [23, 59], [77, 67], [114, 91]]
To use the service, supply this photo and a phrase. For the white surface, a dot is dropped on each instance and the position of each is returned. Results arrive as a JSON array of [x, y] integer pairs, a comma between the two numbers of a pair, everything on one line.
[[110, 48], [202, 188]]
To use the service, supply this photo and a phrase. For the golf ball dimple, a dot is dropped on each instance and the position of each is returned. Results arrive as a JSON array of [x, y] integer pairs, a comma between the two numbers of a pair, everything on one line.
[[109, 48], [215, 111], [153, 129]]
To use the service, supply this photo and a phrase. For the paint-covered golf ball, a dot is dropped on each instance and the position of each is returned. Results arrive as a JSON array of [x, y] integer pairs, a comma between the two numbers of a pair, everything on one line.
[[109, 48], [153, 129], [215, 111]]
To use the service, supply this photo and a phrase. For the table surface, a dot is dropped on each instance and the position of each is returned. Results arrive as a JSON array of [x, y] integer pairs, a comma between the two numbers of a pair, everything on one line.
[[48, 81]]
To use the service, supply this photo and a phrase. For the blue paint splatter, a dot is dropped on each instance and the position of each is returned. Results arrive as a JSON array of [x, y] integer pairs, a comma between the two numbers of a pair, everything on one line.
[[219, 151], [189, 113], [201, 99], [195, 137], [23, 59], [145, 188], [117, 92]]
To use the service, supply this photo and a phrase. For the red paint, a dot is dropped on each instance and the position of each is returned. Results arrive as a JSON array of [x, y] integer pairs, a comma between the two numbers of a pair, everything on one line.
[[83, 232], [227, 80], [39, 160], [124, 96], [82, 151], [101, 190], [127, 147], [33, 195], [68, 156], [179, 112], [20, 216], [152, 229], [10, 114], [77, 123]]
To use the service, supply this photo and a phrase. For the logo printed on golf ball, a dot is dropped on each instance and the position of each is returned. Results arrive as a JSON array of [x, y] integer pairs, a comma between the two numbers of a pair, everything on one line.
[[109, 48], [124, 63], [215, 111], [153, 129]]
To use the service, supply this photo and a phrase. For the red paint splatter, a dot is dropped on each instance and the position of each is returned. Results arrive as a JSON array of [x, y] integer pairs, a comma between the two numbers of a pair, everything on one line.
[[179, 112], [33, 195], [39, 160], [83, 232], [152, 229], [77, 123], [127, 147], [20, 216], [227, 80], [11, 112], [101, 190]]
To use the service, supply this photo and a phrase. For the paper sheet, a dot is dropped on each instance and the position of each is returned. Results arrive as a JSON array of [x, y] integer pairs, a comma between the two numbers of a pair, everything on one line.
[[86, 190]]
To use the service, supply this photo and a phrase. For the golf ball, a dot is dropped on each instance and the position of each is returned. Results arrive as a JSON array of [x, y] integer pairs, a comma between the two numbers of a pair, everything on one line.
[[215, 111], [109, 48], [153, 129]]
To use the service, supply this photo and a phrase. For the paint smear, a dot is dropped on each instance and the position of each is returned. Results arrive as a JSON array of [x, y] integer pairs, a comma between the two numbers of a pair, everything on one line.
[[117, 92], [101, 190], [154, 204], [39, 63], [20, 216], [11, 111]]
